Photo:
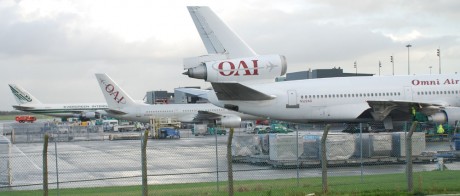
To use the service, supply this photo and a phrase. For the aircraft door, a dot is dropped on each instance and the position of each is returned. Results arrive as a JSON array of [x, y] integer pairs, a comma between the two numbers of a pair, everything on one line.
[[408, 93], [292, 99], [138, 112]]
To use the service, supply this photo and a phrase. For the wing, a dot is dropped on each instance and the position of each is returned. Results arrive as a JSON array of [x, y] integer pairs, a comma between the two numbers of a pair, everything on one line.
[[381, 108], [240, 92], [206, 115]]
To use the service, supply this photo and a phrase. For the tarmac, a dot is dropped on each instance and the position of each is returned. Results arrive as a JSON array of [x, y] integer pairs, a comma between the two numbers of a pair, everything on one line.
[[185, 160]]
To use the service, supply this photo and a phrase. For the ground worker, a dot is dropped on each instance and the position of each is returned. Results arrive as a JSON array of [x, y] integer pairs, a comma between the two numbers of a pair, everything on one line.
[[440, 129], [413, 112]]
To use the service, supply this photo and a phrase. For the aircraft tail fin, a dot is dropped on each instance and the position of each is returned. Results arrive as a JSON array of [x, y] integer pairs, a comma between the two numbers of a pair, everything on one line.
[[22, 96], [217, 37], [115, 96]]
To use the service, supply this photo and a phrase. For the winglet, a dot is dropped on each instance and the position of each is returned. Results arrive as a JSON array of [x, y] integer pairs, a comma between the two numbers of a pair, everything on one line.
[[116, 97], [217, 37], [22, 96]]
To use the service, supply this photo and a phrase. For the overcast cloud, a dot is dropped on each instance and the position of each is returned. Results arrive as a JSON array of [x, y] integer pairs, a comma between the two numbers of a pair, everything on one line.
[[54, 48]]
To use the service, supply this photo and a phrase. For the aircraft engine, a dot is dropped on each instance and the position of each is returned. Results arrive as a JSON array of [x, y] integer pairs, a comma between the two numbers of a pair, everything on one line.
[[448, 115], [229, 121], [261, 67], [89, 115]]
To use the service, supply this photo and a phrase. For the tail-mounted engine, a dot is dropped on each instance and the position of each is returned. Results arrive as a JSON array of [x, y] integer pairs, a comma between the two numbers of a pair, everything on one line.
[[260, 67]]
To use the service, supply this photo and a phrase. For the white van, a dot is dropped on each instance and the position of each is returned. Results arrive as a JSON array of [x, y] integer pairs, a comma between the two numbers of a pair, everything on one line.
[[108, 125]]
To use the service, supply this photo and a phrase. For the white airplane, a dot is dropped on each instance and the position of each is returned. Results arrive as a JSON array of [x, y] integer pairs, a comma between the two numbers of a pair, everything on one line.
[[28, 103], [349, 99], [122, 106]]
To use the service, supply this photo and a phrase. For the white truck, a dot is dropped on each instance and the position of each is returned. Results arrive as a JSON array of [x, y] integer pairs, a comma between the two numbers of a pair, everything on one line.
[[114, 125], [250, 127], [108, 125], [200, 129]]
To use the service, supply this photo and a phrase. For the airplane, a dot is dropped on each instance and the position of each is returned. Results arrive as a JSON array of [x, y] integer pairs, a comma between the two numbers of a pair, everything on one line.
[[28, 103], [122, 106], [349, 99]]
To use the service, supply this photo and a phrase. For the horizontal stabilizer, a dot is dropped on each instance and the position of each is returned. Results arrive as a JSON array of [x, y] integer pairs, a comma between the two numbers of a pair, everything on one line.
[[237, 91], [22, 107], [115, 112], [195, 92]]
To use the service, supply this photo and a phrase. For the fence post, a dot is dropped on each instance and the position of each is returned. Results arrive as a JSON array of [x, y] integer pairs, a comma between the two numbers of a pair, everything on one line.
[[45, 165], [297, 156], [361, 149], [324, 158], [229, 162], [13, 137], [409, 173], [145, 190], [217, 164], [57, 167]]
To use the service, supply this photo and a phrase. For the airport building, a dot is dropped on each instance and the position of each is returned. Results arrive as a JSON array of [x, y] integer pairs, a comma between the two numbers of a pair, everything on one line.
[[321, 73], [159, 97]]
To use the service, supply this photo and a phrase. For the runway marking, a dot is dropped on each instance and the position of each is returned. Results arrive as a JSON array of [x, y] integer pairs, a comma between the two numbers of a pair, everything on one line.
[[35, 165]]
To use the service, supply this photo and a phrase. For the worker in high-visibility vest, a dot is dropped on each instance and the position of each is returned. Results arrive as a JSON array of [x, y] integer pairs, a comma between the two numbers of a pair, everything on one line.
[[413, 112], [440, 129]]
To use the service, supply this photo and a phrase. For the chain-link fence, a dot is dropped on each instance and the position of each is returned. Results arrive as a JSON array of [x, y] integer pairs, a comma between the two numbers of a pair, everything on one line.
[[88, 157]]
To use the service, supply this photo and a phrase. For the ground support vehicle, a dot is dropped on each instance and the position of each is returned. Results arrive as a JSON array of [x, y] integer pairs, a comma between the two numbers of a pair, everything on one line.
[[273, 128], [216, 130], [168, 133], [25, 118]]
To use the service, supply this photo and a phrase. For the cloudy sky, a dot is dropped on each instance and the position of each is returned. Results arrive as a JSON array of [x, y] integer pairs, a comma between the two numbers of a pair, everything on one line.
[[54, 48]]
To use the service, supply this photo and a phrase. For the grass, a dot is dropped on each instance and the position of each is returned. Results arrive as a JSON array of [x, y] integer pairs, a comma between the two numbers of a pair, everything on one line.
[[433, 182]]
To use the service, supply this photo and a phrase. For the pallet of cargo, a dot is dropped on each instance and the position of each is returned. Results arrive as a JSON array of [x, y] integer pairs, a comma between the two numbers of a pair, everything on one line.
[[293, 163], [252, 159], [124, 136], [240, 159], [349, 162], [259, 159]]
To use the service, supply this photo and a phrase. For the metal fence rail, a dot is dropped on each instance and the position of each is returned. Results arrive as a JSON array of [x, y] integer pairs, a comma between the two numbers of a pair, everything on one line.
[[89, 159]]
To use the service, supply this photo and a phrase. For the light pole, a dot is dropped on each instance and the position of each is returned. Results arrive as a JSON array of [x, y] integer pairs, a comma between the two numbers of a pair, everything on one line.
[[380, 66], [393, 63], [356, 68], [408, 59], [430, 68], [439, 55]]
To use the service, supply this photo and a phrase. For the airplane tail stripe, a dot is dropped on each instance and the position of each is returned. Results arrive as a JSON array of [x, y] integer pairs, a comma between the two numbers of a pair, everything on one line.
[[22, 96]]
